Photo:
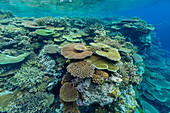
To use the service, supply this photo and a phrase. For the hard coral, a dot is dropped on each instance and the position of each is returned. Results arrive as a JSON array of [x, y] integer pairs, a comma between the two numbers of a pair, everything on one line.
[[101, 63], [6, 59], [45, 32], [99, 76], [129, 73], [51, 49], [70, 107], [71, 51], [32, 25], [107, 51], [28, 77], [137, 58], [30, 103], [81, 69], [68, 93]]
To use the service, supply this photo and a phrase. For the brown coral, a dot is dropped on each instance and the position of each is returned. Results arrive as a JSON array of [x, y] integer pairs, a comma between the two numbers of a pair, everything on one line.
[[81, 69], [101, 63], [99, 76], [51, 49], [69, 107], [68, 93], [128, 72], [67, 78], [75, 51], [107, 51]]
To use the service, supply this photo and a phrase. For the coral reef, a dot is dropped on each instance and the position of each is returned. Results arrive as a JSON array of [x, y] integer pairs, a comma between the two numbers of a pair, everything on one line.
[[70, 51], [99, 76], [70, 107], [93, 93], [7, 97], [51, 49], [30, 103], [32, 25], [101, 63], [68, 93], [107, 51], [84, 64], [28, 77], [5, 59], [45, 32], [6, 14], [81, 69], [135, 28]]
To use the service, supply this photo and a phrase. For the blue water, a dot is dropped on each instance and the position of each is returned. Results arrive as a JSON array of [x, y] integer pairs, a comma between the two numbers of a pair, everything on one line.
[[156, 12]]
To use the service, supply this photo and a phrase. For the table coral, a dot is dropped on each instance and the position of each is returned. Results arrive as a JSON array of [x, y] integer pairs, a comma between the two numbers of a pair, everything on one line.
[[69, 51], [101, 63], [51, 49], [107, 51], [68, 93], [70, 107], [32, 25], [81, 69], [45, 32], [6, 59], [136, 29]]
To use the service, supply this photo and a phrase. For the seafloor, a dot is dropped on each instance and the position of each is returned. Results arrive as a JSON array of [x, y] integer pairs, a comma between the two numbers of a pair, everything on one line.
[[82, 65]]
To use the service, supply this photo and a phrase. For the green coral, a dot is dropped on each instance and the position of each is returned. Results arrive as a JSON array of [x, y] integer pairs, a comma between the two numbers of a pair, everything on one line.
[[101, 63], [28, 77], [31, 103], [6, 97], [71, 38], [107, 51], [6, 59], [45, 32]]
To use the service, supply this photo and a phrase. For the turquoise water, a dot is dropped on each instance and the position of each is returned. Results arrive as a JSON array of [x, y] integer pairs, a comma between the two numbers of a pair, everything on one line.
[[84, 56]]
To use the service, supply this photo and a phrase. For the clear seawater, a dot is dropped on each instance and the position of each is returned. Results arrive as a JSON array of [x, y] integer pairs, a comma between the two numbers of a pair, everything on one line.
[[155, 12]]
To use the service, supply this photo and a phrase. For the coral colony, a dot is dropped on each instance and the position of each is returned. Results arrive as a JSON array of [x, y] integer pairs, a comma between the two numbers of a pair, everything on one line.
[[74, 65]]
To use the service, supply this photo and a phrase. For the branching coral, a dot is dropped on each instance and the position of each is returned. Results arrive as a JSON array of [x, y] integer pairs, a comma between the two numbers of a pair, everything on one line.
[[81, 69], [28, 77], [30, 103], [115, 43], [129, 73]]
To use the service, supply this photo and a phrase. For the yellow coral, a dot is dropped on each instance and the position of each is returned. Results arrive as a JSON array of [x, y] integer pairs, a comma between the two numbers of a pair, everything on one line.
[[68, 93], [81, 69], [107, 51], [114, 93], [99, 76], [101, 63]]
